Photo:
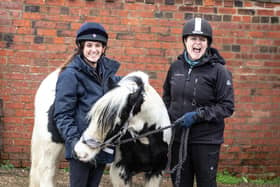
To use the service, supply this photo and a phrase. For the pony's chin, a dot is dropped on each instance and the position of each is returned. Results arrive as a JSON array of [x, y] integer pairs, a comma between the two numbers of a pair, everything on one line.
[[84, 153]]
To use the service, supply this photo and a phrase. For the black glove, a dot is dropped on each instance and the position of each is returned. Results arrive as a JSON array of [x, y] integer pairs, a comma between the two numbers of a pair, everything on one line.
[[187, 120], [105, 156], [73, 143]]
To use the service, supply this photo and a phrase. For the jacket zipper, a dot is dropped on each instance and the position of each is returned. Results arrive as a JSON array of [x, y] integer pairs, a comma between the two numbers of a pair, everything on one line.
[[187, 79], [189, 74], [194, 103]]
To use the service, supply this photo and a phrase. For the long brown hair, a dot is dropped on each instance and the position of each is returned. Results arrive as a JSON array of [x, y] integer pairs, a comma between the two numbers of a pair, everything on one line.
[[77, 51]]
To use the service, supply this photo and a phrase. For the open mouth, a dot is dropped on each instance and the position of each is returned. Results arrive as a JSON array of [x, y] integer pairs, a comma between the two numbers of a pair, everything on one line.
[[196, 50]]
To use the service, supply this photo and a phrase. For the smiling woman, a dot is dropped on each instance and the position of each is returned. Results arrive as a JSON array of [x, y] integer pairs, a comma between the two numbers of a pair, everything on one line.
[[198, 93], [64, 98], [92, 51], [196, 46]]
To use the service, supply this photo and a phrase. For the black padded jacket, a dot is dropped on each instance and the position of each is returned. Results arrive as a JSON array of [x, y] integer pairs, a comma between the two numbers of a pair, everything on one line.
[[206, 88]]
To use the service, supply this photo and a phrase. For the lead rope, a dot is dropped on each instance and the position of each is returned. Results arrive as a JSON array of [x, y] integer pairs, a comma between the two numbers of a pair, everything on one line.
[[183, 152], [119, 141]]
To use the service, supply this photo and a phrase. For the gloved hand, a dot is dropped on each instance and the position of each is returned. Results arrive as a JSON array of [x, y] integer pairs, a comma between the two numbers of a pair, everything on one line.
[[73, 143], [105, 156], [187, 120]]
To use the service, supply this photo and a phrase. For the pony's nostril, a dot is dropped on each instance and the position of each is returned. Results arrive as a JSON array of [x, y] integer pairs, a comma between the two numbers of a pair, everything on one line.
[[83, 156]]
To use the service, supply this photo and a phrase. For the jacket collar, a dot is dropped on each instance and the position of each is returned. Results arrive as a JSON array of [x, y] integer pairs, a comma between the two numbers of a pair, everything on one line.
[[211, 56]]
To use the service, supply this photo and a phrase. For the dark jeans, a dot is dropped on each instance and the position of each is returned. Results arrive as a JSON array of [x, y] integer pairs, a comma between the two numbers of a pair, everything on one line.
[[202, 162], [85, 174]]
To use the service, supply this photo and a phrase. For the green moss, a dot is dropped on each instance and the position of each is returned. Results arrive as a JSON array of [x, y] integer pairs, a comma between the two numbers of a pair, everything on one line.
[[227, 178], [6, 165], [266, 181]]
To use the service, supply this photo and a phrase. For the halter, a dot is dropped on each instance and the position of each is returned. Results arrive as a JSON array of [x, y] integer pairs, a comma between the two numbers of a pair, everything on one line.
[[95, 144], [116, 140]]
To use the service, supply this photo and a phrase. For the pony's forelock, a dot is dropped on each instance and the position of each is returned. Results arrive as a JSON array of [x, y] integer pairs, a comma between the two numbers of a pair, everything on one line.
[[105, 113]]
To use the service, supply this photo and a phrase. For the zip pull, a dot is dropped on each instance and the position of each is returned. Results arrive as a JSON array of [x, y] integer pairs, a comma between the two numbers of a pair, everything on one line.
[[189, 74], [194, 103]]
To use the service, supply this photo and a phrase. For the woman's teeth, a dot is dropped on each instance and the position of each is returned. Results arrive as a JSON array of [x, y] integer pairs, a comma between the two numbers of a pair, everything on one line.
[[196, 50]]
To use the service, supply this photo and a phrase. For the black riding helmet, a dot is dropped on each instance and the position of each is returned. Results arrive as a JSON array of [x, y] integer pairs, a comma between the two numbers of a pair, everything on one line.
[[198, 26], [91, 31]]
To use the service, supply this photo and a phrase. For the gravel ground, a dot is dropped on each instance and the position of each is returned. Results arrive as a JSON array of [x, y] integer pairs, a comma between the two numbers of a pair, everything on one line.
[[19, 178]]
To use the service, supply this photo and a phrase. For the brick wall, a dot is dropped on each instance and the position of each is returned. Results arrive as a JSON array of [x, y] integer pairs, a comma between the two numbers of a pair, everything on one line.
[[37, 35]]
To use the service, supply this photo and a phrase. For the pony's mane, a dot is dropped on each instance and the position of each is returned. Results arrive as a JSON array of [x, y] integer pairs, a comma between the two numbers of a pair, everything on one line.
[[115, 107]]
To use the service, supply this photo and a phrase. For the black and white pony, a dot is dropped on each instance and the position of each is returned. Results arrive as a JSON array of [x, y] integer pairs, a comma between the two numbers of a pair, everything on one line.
[[131, 108]]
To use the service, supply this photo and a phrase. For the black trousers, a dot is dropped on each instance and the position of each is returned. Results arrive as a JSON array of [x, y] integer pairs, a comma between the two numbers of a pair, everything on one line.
[[85, 174], [201, 163]]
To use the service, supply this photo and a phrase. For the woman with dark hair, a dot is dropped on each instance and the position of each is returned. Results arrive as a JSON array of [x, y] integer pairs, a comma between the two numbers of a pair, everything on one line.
[[85, 78], [198, 93]]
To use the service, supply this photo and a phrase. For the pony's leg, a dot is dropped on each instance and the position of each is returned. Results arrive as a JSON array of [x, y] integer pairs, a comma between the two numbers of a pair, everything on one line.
[[45, 157], [116, 179], [34, 180], [48, 164], [153, 181]]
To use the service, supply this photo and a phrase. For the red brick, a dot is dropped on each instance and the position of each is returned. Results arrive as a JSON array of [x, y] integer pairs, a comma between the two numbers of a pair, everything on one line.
[[206, 10], [46, 32], [265, 12], [223, 10], [32, 16], [273, 35], [208, 2], [34, 2], [135, 51]]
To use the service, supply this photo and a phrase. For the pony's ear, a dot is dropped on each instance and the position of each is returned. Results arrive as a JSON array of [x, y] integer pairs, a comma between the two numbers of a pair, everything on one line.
[[133, 97], [133, 104], [136, 99]]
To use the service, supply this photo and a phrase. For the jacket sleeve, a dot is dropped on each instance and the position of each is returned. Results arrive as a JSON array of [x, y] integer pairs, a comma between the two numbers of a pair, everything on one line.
[[64, 107], [166, 90], [224, 106]]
